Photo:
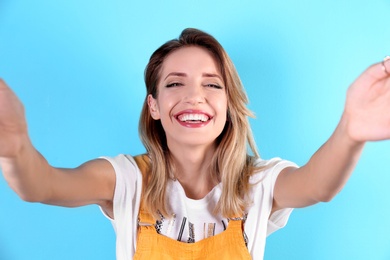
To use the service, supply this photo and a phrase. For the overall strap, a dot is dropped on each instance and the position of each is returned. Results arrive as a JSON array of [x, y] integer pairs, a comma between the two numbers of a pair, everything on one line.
[[143, 163]]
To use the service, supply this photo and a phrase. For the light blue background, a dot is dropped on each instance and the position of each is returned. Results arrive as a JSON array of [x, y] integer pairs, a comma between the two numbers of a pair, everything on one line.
[[78, 68]]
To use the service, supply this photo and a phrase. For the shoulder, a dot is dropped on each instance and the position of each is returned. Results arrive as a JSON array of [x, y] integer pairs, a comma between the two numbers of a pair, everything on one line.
[[128, 184], [126, 169], [269, 168], [121, 162]]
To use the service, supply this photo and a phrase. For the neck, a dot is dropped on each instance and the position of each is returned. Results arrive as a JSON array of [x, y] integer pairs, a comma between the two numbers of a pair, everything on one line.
[[192, 169]]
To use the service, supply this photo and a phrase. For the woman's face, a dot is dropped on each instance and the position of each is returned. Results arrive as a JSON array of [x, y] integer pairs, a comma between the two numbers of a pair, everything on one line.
[[191, 101]]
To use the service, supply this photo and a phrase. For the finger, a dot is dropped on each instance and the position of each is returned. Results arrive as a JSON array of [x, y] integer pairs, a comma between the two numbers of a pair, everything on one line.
[[386, 65], [377, 72]]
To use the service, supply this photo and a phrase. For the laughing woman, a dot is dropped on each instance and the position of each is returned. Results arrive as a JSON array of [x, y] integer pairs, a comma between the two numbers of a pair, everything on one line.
[[200, 191]]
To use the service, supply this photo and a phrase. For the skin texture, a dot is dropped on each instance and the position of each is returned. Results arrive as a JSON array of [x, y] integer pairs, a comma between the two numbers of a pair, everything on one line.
[[365, 118], [192, 84]]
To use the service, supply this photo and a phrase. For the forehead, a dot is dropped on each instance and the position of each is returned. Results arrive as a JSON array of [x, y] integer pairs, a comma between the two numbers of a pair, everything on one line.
[[190, 59]]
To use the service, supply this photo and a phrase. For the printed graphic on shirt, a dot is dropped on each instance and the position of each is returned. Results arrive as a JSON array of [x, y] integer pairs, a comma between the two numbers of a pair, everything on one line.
[[159, 223], [224, 225], [209, 230], [189, 232], [171, 222], [183, 224]]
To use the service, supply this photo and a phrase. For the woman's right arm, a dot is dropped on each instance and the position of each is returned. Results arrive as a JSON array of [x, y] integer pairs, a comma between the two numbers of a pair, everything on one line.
[[33, 179]]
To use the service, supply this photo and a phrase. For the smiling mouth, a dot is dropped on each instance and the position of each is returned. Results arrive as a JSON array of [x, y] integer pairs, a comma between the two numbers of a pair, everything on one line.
[[193, 118]]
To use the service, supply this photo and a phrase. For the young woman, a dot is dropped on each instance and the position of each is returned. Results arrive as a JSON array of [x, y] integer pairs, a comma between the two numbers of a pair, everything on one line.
[[201, 191]]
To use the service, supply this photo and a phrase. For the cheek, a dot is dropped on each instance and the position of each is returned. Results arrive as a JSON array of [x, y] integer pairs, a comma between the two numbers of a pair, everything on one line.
[[223, 107], [167, 101], [165, 106]]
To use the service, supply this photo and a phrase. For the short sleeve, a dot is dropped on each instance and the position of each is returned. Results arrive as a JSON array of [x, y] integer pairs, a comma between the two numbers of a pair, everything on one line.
[[126, 203], [279, 218], [259, 223]]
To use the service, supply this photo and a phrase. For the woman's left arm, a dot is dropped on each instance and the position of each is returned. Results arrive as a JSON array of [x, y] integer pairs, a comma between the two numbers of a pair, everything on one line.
[[366, 117]]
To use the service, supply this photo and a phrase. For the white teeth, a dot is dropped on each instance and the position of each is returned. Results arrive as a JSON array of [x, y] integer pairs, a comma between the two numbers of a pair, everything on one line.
[[193, 117]]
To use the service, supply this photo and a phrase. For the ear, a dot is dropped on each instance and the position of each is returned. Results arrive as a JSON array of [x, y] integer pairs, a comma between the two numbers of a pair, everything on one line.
[[153, 107]]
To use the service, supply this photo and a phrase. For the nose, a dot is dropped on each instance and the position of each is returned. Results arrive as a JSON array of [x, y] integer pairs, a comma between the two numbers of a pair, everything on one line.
[[195, 95]]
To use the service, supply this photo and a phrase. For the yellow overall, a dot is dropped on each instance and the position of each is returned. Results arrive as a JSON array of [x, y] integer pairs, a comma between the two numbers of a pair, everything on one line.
[[227, 245]]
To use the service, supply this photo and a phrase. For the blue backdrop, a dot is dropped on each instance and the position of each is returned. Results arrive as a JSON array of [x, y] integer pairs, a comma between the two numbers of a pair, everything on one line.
[[78, 68]]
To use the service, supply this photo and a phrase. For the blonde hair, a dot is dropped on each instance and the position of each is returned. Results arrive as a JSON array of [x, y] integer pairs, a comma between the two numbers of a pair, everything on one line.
[[233, 161]]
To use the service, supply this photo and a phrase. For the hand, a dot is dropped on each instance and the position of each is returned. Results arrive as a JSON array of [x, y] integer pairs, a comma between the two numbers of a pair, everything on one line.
[[13, 126], [367, 108]]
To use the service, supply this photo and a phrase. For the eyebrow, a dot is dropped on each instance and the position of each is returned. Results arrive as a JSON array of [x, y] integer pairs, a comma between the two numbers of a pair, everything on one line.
[[212, 75], [182, 74], [177, 74]]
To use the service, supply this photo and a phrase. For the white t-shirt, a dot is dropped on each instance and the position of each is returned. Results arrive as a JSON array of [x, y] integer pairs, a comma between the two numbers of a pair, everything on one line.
[[193, 219]]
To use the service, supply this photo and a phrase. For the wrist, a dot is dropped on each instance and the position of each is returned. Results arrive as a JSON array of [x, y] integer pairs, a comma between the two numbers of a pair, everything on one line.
[[347, 133]]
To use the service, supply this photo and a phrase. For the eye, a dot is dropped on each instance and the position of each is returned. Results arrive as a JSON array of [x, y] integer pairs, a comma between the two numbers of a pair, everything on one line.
[[213, 86], [174, 84]]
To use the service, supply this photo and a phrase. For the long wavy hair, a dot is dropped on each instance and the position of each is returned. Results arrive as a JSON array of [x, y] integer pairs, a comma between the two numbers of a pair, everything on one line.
[[232, 163]]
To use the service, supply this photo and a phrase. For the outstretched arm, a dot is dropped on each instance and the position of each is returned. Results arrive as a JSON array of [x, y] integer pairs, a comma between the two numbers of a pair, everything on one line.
[[366, 117], [31, 176]]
